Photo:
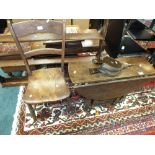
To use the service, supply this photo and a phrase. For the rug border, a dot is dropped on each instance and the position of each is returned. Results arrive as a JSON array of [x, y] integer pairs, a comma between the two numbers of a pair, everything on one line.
[[16, 114]]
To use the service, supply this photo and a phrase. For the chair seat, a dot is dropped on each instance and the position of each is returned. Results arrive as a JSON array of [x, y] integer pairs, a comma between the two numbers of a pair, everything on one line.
[[46, 85]]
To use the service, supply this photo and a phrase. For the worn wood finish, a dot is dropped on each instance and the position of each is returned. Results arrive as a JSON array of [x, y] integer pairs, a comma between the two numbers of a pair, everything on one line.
[[16, 68], [30, 38], [28, 27], [48, 36], [11, 48], [19, 46], [33, 26], [20, 63], [14, 54], [46, 85], [32, 112], [20, 81], [109, 90], [79, 72], [43, 51], [84, 36], [100, 87], [10, 57], [21, 67]]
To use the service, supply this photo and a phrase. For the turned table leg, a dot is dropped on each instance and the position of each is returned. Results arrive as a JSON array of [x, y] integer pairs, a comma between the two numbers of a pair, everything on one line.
[[32, 112]]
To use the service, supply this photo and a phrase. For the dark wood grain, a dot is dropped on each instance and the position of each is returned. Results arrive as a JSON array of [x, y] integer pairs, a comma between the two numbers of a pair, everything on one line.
[[46, 85], [19, 46], [110, 90], [101, 87], [28, 27], [10, 52], [18, 63], [47, 36], [16, 81], [79, 72], [43, 51]]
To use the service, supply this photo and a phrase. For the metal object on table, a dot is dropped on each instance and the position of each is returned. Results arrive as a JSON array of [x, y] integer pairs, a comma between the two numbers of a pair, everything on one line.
[[109, 67]]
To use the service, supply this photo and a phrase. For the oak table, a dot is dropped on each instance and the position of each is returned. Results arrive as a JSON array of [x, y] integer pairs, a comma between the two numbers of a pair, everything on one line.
[[101, 87]]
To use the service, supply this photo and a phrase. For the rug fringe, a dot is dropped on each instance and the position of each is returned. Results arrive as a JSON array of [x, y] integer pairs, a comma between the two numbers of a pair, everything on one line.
[[15, 120]]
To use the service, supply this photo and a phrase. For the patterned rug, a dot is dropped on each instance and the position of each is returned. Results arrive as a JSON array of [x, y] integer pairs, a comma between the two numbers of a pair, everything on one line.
[[133, 114]]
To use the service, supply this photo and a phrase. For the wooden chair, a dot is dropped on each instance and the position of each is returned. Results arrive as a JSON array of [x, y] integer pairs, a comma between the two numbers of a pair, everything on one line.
[[44, 85]]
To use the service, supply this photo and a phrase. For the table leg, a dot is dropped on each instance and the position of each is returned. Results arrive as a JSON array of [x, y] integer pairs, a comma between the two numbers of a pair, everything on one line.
[[32, 112], [70, 107], [88, 105]]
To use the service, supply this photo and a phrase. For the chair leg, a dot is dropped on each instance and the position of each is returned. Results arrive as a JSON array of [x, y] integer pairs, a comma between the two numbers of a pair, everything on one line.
[[87, 105], [116, 100], [32, 112], [91, 103], [70, 107]]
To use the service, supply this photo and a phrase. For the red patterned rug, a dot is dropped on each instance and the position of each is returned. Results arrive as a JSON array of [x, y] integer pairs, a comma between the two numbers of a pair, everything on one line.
[[132, 115]]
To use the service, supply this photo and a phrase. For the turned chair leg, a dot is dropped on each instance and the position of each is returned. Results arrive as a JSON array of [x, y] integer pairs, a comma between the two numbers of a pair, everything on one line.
[[32, 112], [88, 104], [91, 103], [116, 100], [70, 107]]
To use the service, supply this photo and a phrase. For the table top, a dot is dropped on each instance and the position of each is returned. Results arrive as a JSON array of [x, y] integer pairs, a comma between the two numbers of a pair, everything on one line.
[[79, 71]]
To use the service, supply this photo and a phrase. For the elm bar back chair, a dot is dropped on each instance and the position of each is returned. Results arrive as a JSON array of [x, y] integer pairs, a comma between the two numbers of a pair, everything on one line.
[[47, 84]]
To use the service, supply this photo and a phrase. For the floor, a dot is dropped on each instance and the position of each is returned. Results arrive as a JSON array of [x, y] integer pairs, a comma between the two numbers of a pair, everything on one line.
[[8, 100]]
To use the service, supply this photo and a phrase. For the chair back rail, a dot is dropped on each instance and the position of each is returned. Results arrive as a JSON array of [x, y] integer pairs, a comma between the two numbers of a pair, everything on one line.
[[37, 26], [43, 51], [29, 27]]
